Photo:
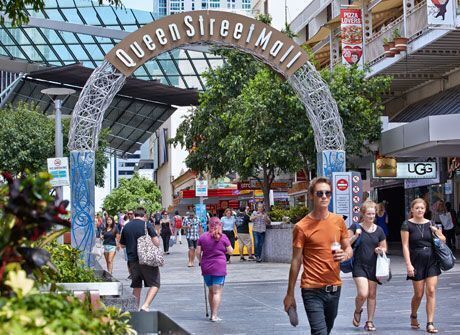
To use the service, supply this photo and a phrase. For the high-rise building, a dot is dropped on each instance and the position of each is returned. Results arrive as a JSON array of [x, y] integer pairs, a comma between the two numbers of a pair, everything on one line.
[[169, 7]]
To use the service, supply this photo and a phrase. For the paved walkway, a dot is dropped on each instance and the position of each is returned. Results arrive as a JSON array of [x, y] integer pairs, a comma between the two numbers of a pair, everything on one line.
[[253, 294]]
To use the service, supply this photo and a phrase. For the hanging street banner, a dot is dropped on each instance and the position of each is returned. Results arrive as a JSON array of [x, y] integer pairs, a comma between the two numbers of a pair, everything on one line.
[[351, 25], [201, 215], [441, 12], [201, 188], [58, 168]]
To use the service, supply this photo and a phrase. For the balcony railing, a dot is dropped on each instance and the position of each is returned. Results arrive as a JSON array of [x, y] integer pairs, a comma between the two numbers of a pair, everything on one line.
[[416, 23], [307, 14]]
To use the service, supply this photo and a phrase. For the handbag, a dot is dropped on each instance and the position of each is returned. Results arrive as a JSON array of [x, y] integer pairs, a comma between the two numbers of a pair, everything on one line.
[[172, 241], [446, 221], [383, 271], [147, 252], [98, 249], [347, 266], [443, 254]]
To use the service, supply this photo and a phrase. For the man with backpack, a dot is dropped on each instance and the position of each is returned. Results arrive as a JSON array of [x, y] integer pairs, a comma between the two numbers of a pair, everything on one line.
[[177, 226], [150, 275]]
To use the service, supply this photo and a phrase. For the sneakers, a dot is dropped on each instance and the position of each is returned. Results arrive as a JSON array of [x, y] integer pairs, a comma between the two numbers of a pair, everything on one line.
[[252, 258], [242, 259], [259, 260], [216, 319]]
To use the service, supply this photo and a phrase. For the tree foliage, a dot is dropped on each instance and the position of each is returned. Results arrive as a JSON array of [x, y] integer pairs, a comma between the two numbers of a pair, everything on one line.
[[18, 10], [27, 140], [132, 193], [251, 122], [359, 101]]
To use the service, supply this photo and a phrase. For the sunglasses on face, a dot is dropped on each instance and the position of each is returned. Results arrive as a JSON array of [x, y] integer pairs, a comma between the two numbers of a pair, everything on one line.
[[321, 194]]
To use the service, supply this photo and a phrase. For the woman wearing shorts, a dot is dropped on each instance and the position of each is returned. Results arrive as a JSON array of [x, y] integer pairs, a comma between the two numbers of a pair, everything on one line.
[[110, 236], [373, 242], [421, 264], [212, 247]]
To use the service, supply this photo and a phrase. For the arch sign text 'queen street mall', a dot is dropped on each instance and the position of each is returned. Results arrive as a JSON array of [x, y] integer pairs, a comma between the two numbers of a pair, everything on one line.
[[203, 27]]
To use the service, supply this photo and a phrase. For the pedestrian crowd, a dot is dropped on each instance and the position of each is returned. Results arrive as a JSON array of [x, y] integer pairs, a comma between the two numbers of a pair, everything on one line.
[[322, 244]]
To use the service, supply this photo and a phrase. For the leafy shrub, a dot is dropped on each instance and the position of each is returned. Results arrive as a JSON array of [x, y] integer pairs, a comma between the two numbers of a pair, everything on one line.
[[56, 314], [277, 214], [71, 268], [295, 214]]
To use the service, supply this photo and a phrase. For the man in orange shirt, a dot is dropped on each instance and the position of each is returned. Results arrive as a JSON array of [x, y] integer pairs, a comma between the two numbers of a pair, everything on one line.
[[320, 243]]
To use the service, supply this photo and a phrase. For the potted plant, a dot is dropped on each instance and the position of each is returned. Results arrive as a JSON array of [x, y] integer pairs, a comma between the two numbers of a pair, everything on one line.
[[400, 42], [387, 48]]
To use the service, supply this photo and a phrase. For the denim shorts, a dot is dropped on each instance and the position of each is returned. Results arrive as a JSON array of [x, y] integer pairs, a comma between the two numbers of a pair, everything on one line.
[[110, 248], [211, 280]]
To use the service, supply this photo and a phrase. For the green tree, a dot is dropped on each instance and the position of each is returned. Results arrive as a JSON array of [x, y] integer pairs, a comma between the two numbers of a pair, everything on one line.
[[132, 193], [250, 121], [359, 100], [27, 140], [17, 10]]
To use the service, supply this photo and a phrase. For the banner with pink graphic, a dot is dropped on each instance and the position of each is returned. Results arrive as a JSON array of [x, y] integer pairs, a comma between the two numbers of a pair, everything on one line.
[[352, 36]]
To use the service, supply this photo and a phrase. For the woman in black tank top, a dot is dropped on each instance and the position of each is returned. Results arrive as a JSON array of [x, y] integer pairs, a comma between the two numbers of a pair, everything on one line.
[[422, 267]]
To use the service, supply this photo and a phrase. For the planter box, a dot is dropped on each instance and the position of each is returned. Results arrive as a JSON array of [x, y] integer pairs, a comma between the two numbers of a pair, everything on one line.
[[155, 322], [109, 287], [278, 243]]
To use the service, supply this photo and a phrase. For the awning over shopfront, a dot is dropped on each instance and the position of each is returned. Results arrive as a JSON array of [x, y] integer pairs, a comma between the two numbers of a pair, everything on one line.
[[431, 136]]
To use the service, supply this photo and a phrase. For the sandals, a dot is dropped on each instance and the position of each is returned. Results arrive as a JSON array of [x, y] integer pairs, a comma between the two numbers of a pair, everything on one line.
[[356, 320], [414, 324], [430, 328], [369, 326]]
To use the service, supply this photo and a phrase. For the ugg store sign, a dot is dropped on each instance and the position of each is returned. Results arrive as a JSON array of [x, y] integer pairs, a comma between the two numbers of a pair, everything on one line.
[[208, 27]]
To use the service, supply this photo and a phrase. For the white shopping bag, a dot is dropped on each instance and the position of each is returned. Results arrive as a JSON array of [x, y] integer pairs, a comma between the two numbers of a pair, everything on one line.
[[98, 249], [383, 272]]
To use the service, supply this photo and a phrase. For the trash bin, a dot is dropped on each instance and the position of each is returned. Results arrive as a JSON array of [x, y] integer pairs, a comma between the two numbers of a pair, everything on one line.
[[155, 322]]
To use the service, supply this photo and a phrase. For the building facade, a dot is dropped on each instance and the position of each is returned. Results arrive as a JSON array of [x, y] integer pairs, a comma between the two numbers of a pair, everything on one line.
[[422, 109], [169, 7]]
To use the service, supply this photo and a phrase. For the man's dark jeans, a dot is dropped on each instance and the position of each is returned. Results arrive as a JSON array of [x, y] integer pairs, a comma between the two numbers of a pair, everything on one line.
[[321, 308], [259, 239]]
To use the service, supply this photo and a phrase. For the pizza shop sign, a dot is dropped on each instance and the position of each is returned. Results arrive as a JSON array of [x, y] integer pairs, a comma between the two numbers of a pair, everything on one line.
[[202, 27]]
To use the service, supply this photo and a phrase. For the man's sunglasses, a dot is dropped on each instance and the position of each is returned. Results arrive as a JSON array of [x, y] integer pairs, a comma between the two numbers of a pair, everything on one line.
[[321, 194], [130, 213]]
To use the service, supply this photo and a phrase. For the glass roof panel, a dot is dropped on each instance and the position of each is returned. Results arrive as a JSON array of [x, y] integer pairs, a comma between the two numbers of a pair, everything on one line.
[[71, 15], [178, 68], [107, 14], [89, 15], [53, 14]]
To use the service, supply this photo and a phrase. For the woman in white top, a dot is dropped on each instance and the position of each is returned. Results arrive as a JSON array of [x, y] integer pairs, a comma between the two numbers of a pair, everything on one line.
[[229, 228]]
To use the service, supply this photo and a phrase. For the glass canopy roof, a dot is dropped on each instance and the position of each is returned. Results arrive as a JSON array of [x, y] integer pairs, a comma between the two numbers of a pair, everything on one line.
[[65, 33]]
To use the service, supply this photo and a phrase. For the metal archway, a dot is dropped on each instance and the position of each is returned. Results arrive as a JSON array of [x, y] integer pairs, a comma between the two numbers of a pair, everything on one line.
[[199, 27]]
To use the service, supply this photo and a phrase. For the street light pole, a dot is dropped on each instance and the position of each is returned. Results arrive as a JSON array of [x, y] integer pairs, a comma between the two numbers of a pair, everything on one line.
[[56, 93], [58, 139]]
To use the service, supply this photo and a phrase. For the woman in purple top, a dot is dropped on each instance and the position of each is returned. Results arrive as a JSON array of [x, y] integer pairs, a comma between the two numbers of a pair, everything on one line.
[[211, 249]]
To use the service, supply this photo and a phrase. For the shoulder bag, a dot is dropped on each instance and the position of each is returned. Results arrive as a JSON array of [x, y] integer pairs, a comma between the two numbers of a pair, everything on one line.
[[443, 254], [347, 266], [147, 252]]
